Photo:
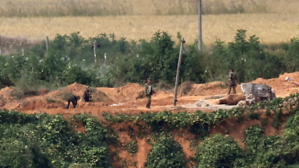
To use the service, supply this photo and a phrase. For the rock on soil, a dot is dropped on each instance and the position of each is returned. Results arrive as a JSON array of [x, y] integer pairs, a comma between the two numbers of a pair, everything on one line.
[[202, 103]]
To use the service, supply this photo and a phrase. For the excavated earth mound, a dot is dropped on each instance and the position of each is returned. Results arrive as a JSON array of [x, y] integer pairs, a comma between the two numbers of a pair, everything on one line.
[[129, 92], [282, 88], [193, 89], [232, 99], [78, 89]]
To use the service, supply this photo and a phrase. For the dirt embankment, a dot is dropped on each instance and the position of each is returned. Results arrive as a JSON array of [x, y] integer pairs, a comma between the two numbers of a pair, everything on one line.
[[282, 88], [130, 99]]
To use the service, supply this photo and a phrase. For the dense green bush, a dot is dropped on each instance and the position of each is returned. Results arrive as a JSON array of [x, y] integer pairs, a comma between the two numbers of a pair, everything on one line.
[[165, 153], [218, 152], [22, 152], [43, 140]]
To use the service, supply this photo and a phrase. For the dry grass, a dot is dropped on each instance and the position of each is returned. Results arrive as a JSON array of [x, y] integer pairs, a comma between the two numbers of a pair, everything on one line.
[[271, 28], [141, 7], [11, 45], [274, 21]]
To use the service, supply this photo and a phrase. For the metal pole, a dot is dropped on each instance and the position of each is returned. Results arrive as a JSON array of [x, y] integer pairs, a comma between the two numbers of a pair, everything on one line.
[[178, 73], [199, 25]]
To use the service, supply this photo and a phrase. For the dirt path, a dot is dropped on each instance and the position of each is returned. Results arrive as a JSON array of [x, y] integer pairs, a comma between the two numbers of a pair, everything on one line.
[[128, 98]]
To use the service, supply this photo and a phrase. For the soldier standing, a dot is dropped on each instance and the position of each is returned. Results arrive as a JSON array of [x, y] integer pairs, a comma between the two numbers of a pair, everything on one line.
[[87, 94], [232, 81], [74, 99], [148, 92]]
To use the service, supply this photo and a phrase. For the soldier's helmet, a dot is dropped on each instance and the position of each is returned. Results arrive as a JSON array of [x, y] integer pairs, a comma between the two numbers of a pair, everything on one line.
[[87, 87]]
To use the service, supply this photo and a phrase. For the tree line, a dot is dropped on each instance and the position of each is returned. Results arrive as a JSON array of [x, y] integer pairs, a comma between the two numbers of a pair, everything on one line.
[[70, 58]]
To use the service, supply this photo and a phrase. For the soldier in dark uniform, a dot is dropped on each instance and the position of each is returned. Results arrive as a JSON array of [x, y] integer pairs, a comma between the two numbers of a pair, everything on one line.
[[232, 81], [87, 94], [148, 92], [74, 99]]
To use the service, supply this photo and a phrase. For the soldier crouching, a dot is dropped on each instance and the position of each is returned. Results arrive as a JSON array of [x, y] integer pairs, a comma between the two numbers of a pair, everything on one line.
[[87, 95], [74, 99]]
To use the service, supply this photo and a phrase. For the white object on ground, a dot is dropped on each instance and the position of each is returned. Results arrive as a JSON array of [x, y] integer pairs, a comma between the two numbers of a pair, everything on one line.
[[202, 103], [117, 104]]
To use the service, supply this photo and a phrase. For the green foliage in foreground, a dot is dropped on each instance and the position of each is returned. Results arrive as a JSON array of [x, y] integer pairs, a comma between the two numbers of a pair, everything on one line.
[[165, 153], [218, 151], [42, 140], [48, 141]]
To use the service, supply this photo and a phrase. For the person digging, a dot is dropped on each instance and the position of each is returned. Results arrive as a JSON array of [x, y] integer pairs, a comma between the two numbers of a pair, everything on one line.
[[74, 99]]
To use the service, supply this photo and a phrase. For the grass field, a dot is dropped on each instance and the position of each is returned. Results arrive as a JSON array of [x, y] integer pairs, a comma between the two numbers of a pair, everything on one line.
[[23, 8], [271, 28], [274, 21]]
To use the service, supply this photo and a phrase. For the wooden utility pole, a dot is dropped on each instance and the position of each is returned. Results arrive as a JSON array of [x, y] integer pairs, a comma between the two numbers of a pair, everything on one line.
[[94, 51], [47, 43], [0, 44], [199, 25], [178, 73]]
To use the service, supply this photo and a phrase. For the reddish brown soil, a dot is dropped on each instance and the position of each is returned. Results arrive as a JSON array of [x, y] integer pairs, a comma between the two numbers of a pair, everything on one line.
[[132, 101], [237, 130], [232, 99]]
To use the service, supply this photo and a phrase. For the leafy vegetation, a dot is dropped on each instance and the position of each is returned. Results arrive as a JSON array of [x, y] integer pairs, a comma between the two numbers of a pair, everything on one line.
[[70, 58], [41, 140], [132, 147], [218, 151], [165, 153]]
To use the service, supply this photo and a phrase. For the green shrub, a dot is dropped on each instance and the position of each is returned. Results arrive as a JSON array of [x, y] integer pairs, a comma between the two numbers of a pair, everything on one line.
[[71, 59], [15, 153], [217, 152], [66, 95], [76, 74], [42, 140], [77, 165], [132, 147], [165, 153]]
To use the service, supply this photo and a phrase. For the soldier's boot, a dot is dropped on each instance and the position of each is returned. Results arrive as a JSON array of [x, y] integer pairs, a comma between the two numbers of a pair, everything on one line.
[[234, 88], [68, 105], [87, 99], [229, 90], [74, 104], [148, 102]]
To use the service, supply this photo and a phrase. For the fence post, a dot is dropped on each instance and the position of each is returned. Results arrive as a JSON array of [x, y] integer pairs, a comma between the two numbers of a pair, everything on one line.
[[47, 43], [0, 44], [178, 73], [94, 51]]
